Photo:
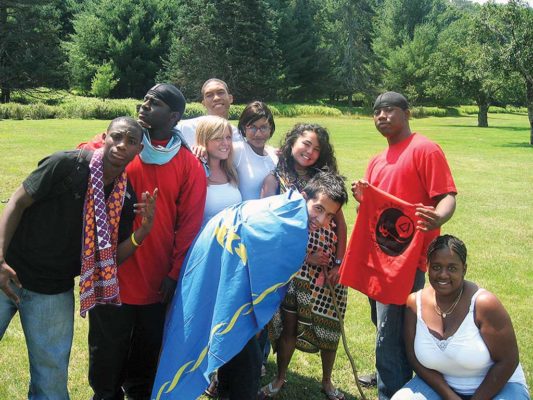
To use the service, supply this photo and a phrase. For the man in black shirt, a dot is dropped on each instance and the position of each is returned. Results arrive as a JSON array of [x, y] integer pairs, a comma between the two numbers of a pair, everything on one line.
[[41, 231]]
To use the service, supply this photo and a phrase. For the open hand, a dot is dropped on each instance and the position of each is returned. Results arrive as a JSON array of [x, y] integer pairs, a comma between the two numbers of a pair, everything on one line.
[[147, 209]]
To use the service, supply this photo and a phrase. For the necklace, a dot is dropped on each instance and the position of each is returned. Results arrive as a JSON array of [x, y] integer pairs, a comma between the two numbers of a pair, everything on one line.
[[301, 174], [444, 314]]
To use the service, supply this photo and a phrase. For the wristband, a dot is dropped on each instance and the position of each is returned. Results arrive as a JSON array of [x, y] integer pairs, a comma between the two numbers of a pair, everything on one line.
[[132, 237]]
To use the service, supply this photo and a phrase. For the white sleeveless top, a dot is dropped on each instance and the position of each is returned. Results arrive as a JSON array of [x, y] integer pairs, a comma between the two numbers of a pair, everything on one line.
[[219, 197], [463, 358], [252, 168]]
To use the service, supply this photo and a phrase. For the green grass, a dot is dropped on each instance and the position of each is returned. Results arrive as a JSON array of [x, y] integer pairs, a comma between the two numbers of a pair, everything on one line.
[[493, 172]]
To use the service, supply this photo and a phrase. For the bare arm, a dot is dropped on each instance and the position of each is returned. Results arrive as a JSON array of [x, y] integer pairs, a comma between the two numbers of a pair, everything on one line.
[[270, 186], [430, 376], [342, 234], [147, 211], [434, 217], [9, 222], [498, 334]]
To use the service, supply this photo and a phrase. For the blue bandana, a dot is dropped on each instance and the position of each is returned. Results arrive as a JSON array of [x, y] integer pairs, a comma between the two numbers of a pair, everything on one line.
[[160, 155]]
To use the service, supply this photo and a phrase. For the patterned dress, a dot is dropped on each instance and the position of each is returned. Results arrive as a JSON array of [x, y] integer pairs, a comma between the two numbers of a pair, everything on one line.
[[318, 324]]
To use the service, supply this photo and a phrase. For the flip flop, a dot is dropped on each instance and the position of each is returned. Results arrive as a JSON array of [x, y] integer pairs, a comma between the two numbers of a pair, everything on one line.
[[334, 394], [269, 391], [212, 389]]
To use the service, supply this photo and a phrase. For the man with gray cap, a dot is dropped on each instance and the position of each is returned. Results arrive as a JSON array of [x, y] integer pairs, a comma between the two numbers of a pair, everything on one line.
[[414, 169], [124, 342]]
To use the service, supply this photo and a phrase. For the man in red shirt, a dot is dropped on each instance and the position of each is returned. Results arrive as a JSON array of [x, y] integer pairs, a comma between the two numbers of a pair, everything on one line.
[[414, 169], [124, 342]]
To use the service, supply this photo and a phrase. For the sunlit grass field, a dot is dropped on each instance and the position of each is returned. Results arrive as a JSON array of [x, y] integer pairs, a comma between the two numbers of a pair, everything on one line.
[[493, 170]]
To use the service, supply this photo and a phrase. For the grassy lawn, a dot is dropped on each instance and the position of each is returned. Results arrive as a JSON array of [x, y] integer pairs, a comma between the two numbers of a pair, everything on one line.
[[493, 172]]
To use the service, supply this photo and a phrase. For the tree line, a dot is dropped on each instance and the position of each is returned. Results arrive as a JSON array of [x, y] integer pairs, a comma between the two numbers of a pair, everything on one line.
[[436, 52]]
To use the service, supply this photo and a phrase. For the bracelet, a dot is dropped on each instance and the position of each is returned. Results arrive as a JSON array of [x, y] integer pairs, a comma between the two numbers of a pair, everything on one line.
[[132, 237]]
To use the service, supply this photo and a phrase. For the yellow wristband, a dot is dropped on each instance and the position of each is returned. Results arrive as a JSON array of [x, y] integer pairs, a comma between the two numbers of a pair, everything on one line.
[[134, 241]]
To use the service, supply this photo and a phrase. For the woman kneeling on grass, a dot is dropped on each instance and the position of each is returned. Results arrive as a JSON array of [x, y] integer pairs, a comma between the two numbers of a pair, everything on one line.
[[459, 337]]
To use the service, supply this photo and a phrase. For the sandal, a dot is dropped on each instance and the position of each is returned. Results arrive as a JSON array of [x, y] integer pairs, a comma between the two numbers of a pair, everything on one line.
[[212, 389], [269, 391], [334, 394]]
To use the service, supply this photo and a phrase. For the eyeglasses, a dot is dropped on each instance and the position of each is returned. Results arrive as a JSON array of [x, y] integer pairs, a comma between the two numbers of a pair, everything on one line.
[[263, 128]]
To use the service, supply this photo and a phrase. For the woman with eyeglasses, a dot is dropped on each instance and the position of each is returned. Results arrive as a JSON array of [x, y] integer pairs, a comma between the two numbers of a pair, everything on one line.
[[254, 159]]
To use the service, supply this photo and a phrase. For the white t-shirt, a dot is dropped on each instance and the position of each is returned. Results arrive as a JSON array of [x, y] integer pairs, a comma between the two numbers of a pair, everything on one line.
[[188, 130], [219, 197], [252, 168]]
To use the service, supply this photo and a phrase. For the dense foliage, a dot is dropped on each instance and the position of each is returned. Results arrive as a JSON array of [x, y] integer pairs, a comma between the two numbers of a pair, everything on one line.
[[437, 52]]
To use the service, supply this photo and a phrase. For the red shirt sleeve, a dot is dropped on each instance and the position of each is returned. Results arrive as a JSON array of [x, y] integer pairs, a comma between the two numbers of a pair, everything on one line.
[[190, 213]]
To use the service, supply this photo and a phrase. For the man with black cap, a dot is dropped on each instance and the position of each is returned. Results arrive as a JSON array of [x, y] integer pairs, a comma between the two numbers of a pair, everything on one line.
[[124, 342], [414, 169]]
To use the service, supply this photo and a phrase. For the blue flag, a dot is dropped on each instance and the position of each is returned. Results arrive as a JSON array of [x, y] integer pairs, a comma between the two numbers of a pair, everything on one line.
[[232, 282]]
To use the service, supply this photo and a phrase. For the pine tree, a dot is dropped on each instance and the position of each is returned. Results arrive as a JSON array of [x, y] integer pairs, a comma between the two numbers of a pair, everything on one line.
[[227, 39], [347, 36], [132, 34], [30, 52], [304, 62]]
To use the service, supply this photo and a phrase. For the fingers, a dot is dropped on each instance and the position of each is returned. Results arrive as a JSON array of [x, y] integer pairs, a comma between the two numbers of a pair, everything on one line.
[[429, 218], [7, 274], [11, 294], [358, 188]]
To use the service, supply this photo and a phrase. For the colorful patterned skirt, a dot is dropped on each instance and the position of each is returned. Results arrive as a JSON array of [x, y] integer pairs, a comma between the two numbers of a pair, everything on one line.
[[318, 324]]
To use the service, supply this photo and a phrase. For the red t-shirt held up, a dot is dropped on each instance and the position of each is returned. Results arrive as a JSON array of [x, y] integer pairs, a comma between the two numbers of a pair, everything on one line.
[[384, 249]]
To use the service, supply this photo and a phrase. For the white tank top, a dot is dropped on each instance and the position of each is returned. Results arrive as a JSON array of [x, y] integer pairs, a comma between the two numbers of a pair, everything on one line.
[[463, 358], [252, 168], [219, 197]]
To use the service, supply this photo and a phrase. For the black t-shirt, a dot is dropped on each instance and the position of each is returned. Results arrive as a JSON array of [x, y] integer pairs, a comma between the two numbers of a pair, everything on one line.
[[46, 248]]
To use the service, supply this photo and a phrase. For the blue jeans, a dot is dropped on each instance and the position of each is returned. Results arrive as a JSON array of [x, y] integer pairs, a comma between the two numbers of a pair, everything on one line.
[[48, 324], [393, 369], [418, 389]]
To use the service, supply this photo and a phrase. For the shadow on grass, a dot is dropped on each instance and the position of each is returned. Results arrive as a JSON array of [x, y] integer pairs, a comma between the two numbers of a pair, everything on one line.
[[517, 145], [300, 387], [506, 128]]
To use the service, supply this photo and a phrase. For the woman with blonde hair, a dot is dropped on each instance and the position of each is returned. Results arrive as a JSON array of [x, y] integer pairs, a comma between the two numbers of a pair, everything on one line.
[[215, 135]]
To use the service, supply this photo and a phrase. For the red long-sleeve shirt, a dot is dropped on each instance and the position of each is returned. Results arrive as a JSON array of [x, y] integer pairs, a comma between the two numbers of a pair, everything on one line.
[[179, 212]]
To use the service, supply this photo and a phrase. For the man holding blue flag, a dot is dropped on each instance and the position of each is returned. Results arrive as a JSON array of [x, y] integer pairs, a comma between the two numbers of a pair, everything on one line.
[[233, 281]]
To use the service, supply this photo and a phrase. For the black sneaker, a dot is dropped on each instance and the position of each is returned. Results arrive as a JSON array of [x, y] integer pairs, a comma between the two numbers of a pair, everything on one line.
[[369, 380]]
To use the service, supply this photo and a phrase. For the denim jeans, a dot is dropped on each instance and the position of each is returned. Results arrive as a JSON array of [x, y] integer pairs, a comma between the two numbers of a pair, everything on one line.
[[48, 324], [418, 389], [393, 369]]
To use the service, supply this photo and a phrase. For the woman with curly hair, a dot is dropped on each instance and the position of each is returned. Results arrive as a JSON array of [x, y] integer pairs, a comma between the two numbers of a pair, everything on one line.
[[307, 319]]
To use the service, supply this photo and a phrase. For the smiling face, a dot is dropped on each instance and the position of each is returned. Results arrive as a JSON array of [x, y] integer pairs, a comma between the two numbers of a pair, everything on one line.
[[321, 210], [220, 146], [446, 271], [305, 150], [122, 142], [216, 99]]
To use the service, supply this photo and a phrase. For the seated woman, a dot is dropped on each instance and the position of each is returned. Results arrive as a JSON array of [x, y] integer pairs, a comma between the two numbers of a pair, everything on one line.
[[459, 337]]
